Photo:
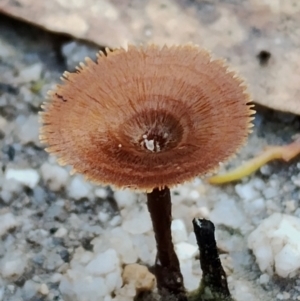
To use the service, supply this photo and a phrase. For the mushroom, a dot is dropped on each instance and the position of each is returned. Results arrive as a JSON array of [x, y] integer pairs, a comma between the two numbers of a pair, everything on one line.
[[148, 118]]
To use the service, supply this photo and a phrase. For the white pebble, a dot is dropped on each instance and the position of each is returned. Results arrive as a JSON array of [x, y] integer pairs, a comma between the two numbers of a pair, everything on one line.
[[179, 233], [103, 263], [77, 286], [185, 251], [255, 207], [10, 188], [145, 247], [138, 224], [27, 177], [30, 73], [243, 291], [264, 279], [61, 232], [287, 261], [7, 221], [227, 212], [101, 193], [13, 265], [194, 195], [121, 241], [113, 280], [103, 216], [30, 289], [125, 198], [44, 290], [56, 277], [115, 221], [270, 192], [275, 244], [79, 188], [246, 191], [56, 177], [29, 130]]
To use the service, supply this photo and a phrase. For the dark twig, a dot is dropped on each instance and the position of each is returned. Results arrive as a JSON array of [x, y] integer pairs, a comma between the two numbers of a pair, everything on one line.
[[167, 269], [214, 283]]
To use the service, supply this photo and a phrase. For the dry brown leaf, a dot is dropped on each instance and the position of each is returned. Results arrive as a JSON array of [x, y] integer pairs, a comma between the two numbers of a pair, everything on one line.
[[237, 30]]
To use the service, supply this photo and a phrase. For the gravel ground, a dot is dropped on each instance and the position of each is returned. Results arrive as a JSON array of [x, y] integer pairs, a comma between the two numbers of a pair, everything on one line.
[[65, 239]]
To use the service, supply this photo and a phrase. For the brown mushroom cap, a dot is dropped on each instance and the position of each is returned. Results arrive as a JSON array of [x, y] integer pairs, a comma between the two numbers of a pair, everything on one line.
[[147, 117]]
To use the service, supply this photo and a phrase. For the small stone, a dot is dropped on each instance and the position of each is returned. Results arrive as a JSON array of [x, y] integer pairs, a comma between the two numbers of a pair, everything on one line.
[[101, 193], [107, 298], [44, 290], [61, 232], [255, 207], [194, 195], [185, 251], [79, 188], [10, 189], [287, 261], [115, 221], [243, 291], [30, 290], [52, 261], [179, 233], [113, 281], [78, 286], [138, 223], [228, 213], [264, 279], [201, 212], [247, 191], [126, 293], [56, 177], [121, 241], [13, 265], [145, 247], [27, 177], [29, 130], [270, 192], [140, 276], [39, 195], [275, 244], [125, 198], [30, 73], [56, 278], [7, 221], [103, 263], [103, 216], [37, 236], [290, 206]]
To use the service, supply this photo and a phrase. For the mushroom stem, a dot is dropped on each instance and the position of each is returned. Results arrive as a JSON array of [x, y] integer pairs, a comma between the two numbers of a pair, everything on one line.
[[213, 285], [167, 269]]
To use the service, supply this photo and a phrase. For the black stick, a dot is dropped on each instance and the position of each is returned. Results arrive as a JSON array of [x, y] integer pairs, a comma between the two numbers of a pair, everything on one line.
[[214, 283], [167, 269]]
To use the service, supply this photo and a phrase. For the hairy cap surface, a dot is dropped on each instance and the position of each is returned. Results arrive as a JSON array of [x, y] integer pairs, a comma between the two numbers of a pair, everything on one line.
[[147, 117]]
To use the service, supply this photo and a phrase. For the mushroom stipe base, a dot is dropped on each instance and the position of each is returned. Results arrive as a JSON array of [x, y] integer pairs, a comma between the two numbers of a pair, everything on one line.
[[167, 269], [213, 285]]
